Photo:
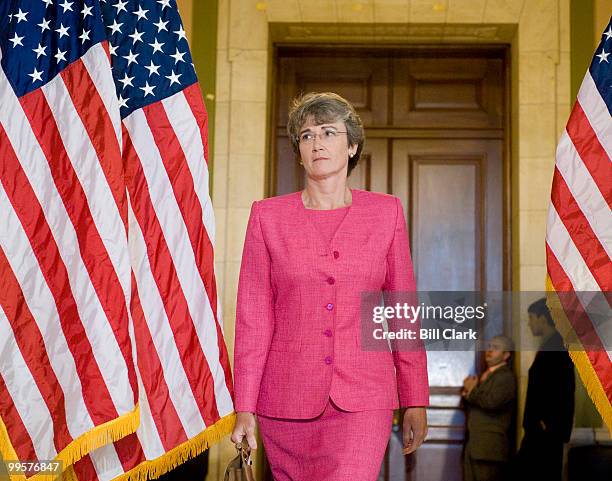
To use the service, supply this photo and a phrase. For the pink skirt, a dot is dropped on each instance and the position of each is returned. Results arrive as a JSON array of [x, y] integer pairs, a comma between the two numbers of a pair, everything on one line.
[[337, 445]]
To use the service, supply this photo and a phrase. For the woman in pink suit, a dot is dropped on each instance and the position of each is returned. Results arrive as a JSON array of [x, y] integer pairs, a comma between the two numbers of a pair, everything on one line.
[[324, 405]]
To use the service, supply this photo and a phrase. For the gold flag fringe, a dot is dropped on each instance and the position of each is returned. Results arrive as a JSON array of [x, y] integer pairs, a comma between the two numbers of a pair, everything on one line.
[[68, 475], [579, 357], [181, 453], [593, 387], [95, 438]]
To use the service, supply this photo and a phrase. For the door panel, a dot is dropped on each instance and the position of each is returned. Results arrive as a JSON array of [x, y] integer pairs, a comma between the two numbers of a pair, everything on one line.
[[372, 171], [364, 80], [443, 184], [447, 93], [451, 193]]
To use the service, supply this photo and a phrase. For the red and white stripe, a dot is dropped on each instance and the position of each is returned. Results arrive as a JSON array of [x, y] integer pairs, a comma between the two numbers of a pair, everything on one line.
[[579, 228], [183, 368], [596, 112], [66, 363]]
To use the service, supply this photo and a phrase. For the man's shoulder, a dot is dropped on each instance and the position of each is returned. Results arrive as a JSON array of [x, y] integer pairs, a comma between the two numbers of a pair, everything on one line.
[[552, 350], [553, 343], [505, 373]]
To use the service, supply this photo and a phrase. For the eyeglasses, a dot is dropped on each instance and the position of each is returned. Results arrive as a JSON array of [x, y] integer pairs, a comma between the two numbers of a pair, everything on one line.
[[327, 136]]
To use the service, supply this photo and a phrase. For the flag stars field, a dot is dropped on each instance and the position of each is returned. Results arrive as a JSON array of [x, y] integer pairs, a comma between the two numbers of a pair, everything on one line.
[[20, 16], [174, 78], [141, 13], [603, 55], [157, 47], [136, 36], [40, 50], [115, 27], [120, 6], [60, 56], [161, 25], [131, 57], [84, 36], [36, 75], [147, 89], [178, 56], [86, 11], [126, 81], [63, 31], [17, 40], [146, 47], [122, 102], [44, 24], [67, 6], [181, 33], [152, 68]]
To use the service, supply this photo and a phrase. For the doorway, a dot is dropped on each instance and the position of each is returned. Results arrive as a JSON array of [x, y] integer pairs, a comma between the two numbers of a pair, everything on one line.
[[436, 126]]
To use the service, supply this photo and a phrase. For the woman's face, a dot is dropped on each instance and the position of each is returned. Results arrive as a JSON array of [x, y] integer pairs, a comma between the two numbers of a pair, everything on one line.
[[324, 149]]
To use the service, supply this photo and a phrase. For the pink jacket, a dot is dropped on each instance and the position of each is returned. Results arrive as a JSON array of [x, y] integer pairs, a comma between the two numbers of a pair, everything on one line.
[[298, 311]]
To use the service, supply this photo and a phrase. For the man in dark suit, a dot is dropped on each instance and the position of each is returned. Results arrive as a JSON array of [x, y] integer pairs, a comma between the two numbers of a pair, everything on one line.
[[549, 408], [490, 401]]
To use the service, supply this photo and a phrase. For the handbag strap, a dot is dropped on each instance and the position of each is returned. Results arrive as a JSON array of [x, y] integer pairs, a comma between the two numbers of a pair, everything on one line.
[[246, 462], [244, 450]]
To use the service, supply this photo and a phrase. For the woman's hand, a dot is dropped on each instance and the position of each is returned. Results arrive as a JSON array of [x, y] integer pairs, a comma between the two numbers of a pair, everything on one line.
[[245, 426], [414, 428]]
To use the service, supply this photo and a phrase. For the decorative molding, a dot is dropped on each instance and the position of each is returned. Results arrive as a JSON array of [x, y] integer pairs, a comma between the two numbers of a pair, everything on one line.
[[391, 33]]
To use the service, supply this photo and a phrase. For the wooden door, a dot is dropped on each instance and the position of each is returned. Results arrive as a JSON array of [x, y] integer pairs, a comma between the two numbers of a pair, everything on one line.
[[435, 137]]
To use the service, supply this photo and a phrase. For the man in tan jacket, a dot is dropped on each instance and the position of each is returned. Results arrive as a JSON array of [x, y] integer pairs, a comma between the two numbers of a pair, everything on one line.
[[490, 401]]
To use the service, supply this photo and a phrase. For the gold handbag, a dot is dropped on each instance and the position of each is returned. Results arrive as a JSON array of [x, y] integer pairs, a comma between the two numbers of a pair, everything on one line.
[[241, 467]]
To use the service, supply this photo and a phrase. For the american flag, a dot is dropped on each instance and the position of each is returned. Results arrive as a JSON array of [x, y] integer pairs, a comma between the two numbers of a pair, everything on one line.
[[579, 229], [107, 281]]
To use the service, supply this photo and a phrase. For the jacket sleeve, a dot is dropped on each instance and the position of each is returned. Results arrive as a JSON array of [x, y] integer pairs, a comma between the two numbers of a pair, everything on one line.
[[495, 394], [410, 361], [254, 316]]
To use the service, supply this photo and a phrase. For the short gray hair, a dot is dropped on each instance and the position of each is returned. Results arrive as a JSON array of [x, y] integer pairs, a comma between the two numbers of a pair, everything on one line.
[[326, 107], [506, 341]]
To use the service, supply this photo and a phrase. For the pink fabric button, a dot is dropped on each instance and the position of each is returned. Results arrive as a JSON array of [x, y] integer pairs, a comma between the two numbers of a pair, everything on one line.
[[328, 360], [328, 332], [336, 254], [331, 280], [329, 306]]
